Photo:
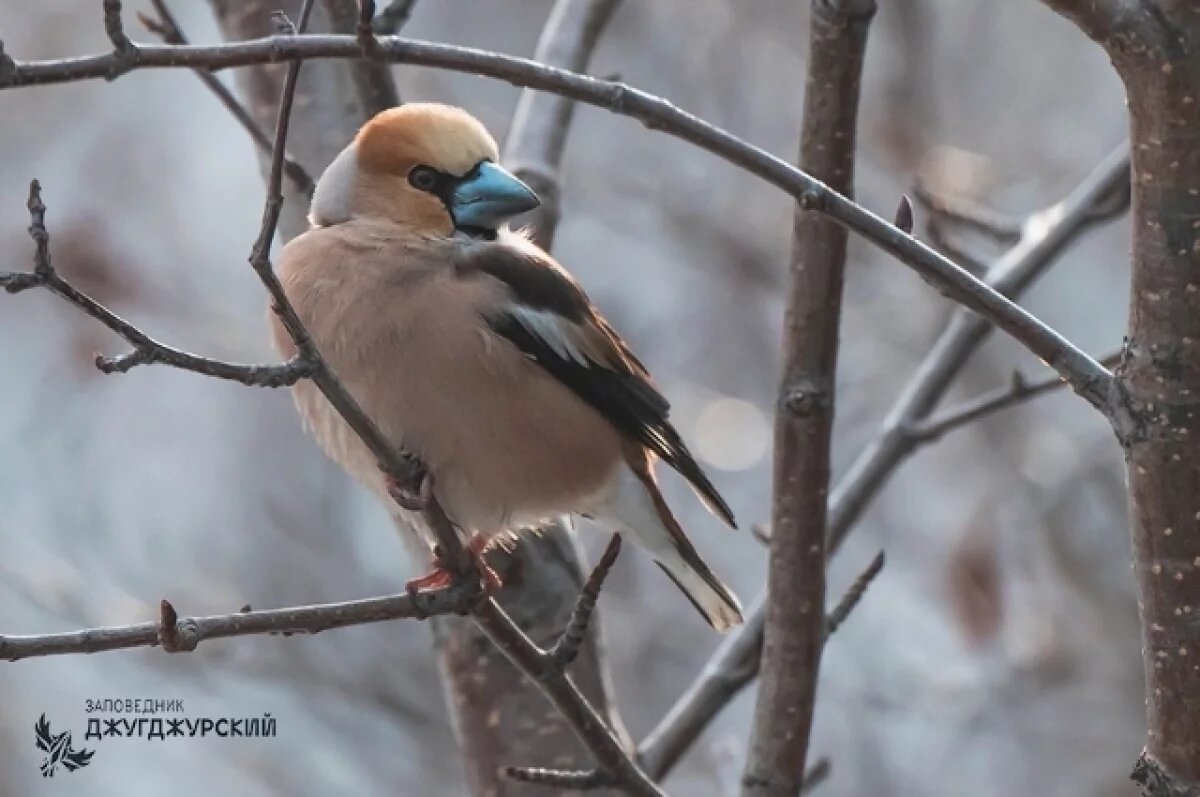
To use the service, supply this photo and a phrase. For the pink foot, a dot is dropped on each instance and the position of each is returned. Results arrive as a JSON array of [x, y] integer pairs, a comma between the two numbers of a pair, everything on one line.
[[441, 577], [438, 578]]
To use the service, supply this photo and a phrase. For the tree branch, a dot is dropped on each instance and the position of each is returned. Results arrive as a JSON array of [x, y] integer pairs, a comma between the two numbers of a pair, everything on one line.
[[537, 135], [146, 350], [1017, 391], [166, 27], [373, 81], [1099, 19], [817, 774], [735, 663], [853, 595], [1045, 235], [795, 623], [970, 215], [728, 675], [391, 19], [1087, 377], [617, 765], [1156, 51], [190, 631], [567, 647], [579, 780], [616, 768]]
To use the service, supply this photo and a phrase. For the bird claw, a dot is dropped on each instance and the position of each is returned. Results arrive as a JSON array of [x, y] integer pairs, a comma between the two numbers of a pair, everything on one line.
[[477, 548], [438, 578], [442, 577], [414, 500]]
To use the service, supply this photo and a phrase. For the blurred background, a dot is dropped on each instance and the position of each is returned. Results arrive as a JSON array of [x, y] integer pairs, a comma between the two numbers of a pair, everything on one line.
[[996, 655]]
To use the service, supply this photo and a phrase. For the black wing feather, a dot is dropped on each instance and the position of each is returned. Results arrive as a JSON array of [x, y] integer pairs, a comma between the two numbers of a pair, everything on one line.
[[621, 391]]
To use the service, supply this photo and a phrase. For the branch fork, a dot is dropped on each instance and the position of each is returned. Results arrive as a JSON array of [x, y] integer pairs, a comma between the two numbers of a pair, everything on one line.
[[125, 52]]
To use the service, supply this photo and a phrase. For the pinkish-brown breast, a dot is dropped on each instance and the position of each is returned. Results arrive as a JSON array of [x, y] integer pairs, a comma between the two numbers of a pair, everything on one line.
[[506, 444]]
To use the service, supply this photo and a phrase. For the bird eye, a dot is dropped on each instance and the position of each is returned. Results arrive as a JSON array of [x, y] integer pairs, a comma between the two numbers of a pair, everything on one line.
[[424, 178]]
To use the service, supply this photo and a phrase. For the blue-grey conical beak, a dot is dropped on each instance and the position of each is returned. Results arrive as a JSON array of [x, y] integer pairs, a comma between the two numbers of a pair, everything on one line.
[[490, 197]]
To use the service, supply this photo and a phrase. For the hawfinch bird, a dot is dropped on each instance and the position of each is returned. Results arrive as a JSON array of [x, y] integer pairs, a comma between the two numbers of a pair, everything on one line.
[[477, 353]]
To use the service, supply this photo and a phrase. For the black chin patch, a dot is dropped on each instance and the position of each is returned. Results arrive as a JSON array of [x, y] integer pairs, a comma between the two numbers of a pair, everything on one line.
[[479, 233]]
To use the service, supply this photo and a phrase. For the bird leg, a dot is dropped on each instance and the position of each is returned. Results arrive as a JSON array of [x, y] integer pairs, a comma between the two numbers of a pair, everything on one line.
[[417, 495], [438, 578], [441, 576], [478, 548]]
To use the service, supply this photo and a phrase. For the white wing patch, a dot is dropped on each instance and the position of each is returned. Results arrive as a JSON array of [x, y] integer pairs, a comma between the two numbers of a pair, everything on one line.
[[562, 336]]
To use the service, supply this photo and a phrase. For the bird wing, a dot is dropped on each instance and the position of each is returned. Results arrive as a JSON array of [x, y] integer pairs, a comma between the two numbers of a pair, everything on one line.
[[551, 320]]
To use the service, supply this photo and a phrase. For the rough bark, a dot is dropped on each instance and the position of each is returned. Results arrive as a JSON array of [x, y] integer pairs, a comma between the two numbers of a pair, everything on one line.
[[500, 717], [795, 608], [1161, 373], [1155, 46]]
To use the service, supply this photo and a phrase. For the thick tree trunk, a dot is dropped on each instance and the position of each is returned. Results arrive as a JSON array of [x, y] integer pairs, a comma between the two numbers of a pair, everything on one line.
[[1161, 373], [500, 718], [1155, 46]]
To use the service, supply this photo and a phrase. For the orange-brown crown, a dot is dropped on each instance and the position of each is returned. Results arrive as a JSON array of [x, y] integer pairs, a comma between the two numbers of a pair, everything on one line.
[[423, 133]]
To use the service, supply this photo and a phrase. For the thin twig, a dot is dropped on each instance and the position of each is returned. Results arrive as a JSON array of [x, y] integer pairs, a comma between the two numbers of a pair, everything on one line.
[[366, 17], [372, 78], [611, 756], [1017, 391], [390, 20], [564, 651], [735, 663], [970, 215], [177, 634], [1100, 19], [940, 241], [114, 28], [579, 780], [1087, 377], [146, 350], [537, 136], [547, 668], [817, 774], [167, 28], [853, 595]]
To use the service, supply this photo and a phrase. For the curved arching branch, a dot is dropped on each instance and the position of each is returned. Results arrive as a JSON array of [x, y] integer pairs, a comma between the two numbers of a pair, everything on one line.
[[1087, 377]]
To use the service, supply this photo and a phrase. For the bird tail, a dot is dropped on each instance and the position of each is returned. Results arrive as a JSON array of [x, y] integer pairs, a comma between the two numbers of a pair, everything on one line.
[[635, 506], [715, 601]]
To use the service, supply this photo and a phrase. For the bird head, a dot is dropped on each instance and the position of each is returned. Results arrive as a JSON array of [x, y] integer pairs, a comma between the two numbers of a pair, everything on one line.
[[430, 167]]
